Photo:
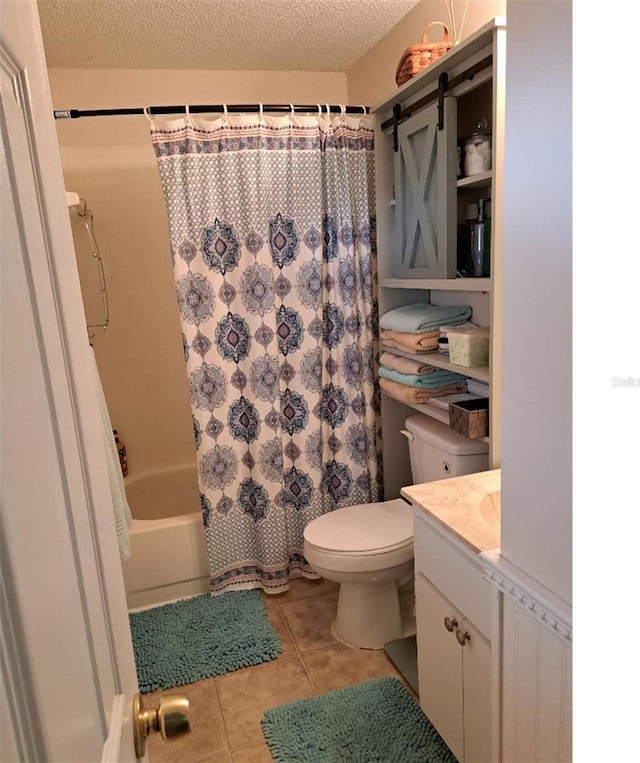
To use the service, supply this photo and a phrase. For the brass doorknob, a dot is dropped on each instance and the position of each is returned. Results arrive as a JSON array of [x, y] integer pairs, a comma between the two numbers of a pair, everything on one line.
[[170, 718]]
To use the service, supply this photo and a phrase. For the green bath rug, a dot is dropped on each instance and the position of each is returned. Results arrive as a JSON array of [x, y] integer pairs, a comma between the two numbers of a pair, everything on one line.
[[201, 637], [376, 720]]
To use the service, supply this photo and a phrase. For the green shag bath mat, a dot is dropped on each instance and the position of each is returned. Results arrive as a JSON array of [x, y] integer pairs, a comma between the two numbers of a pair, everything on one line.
[[188, 640], [376, 720]]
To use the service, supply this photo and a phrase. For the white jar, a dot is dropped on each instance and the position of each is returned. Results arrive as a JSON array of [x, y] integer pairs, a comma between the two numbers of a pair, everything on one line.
[[477, 151]]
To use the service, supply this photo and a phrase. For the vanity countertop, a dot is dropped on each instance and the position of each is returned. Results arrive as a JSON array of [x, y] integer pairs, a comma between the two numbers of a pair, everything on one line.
[[468, 506]]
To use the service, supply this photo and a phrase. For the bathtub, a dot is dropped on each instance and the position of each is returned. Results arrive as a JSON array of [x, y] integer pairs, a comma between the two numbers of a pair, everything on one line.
[[168, 558]]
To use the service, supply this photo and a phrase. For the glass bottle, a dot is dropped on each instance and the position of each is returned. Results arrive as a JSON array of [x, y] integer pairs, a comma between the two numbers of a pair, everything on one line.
[[478, 241]]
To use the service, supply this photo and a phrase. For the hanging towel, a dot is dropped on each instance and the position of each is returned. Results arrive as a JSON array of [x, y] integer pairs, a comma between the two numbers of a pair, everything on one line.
[[424, 342], [422, 316], [121, 509], [435, 380]]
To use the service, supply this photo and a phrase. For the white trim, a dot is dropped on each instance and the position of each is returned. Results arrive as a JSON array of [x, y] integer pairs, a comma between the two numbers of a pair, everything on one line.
[[537, 601]]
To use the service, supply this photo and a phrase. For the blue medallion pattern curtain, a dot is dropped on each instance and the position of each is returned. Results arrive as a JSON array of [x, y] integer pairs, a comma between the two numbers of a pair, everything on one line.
[[271, 222]]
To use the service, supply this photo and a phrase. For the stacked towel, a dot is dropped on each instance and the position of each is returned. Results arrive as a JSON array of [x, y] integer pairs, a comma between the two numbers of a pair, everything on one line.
[[426, 341], [434, 380], [416, 395], [421, 317], [405, 365], [478, 388]]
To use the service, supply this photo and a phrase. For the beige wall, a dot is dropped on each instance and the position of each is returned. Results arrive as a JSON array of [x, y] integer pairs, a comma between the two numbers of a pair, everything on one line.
[[373, 77], [109, 161]]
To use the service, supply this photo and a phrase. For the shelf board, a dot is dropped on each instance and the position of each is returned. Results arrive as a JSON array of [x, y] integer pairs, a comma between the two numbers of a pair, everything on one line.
[[441, 284], [429, 410], [481, 180], [480, 373]]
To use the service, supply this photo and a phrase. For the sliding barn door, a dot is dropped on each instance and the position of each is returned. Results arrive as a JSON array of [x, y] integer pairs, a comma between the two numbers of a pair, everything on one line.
[[425, 183]]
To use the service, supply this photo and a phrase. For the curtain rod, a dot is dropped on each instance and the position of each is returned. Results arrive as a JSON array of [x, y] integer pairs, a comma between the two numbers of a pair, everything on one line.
[[218, 108]]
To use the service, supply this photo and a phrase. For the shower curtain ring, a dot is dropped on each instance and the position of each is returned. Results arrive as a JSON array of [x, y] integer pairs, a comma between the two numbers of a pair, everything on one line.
[[293, 109], [226, 112], [364, 109], [187, 115], [147, 113], [319, 109], [261, 110], [328, 109]]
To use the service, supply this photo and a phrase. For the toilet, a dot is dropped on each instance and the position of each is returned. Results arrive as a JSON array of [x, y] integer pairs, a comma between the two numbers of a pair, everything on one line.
[[368, 549]]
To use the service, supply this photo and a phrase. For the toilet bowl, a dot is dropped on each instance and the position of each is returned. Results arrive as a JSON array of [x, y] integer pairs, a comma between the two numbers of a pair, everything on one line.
[[368, 548]]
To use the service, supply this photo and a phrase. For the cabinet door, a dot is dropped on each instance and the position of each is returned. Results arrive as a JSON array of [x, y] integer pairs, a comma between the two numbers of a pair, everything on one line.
[[425, 187], [476, 683], [439, 665]]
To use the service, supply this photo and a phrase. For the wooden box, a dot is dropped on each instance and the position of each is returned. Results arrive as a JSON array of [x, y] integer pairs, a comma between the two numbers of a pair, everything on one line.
[[470, 417]]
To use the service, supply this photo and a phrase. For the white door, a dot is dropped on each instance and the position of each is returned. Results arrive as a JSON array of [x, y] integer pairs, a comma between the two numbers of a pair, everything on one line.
[[68, 673]]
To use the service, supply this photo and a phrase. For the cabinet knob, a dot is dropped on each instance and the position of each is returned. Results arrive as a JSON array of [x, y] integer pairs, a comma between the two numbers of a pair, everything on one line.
[[450, 624], [462, 637]]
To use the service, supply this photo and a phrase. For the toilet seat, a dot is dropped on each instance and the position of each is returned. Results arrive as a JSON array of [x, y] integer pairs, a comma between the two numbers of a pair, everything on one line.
[[364, 530]]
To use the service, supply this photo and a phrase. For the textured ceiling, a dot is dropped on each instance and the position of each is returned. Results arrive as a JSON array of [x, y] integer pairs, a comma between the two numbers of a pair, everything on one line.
[[276, 35]]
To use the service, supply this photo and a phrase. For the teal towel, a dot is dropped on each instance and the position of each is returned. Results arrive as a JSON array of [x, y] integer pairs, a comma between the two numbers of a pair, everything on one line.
[[421, 316], [434, 380]]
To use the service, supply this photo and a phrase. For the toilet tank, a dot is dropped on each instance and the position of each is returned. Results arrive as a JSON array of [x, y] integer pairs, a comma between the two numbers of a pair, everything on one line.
[[437, 452]]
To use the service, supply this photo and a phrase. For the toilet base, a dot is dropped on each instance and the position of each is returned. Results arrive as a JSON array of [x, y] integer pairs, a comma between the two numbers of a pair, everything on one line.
[[368, 616]]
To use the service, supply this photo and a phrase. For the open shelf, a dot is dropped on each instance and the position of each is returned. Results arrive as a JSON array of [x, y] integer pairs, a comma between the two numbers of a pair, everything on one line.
[[439, 414], [442, 284], [481, 180], [481, 373]]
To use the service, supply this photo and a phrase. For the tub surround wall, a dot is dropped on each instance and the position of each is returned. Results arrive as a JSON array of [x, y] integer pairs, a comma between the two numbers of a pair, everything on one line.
[[109, 161]]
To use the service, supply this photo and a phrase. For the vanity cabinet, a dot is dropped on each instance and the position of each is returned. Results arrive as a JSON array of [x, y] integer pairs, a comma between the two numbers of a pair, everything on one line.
[[453, 614], [421, 201]]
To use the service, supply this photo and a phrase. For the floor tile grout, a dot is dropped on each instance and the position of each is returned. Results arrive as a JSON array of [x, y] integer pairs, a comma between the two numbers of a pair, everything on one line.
[[326, 662]]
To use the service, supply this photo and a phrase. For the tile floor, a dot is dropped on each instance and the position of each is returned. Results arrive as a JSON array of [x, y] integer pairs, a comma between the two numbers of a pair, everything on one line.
[[226, 711]]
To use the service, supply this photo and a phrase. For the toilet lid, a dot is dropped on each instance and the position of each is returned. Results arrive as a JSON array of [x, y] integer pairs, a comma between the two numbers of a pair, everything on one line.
[[366, 528]]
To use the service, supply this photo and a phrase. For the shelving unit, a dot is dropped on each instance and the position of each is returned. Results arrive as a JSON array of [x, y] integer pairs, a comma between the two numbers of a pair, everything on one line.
[[452, 284], [420, 204], [481, 180]]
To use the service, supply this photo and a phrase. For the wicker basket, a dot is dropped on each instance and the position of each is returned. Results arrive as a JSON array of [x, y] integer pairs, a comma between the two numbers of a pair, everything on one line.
[[418, 57]]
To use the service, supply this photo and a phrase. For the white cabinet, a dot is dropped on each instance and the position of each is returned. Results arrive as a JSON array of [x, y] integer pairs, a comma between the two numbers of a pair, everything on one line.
[[421, 201], [454, 650]]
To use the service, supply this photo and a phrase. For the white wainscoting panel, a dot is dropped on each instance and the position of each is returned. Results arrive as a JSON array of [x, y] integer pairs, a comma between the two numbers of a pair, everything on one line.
[[535, 667]]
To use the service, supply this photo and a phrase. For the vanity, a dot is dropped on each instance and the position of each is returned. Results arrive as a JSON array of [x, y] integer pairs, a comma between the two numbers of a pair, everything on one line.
[[455, 520]]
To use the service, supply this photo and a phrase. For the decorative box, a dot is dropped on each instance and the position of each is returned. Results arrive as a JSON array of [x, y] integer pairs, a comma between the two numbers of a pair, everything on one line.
[[470, 417]]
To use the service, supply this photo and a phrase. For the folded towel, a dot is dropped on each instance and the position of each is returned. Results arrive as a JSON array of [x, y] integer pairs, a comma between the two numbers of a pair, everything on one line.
[[121, 510], [414, 394], [422, 316], [435, 380], [424, 342], [404, 365], [478, 388]]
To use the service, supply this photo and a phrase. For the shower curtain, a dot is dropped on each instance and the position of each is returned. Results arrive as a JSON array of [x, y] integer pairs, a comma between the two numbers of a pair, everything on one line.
[[271, 222]]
